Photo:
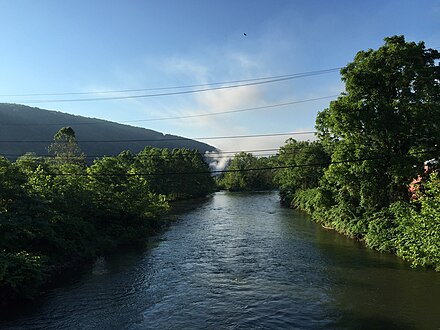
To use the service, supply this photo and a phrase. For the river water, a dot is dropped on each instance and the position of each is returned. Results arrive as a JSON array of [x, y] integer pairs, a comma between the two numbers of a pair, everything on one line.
[[240, 261]]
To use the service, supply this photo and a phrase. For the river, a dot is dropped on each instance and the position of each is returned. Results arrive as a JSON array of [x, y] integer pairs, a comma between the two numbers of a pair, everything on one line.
[[240, 261]]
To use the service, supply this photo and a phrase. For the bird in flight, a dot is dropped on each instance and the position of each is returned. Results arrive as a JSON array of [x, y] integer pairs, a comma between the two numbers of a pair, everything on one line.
[[245, 34]]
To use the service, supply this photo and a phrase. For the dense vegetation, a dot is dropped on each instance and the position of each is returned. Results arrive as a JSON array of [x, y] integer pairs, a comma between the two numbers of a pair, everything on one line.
[[373, 141], [303, 161], [247, 173], [56, 213]]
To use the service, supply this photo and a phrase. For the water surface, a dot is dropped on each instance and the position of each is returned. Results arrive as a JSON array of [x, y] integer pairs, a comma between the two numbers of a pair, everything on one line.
[[240, 261]]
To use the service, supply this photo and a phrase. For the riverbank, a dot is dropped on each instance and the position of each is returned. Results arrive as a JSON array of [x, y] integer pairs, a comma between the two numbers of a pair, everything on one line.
[[410, 230]]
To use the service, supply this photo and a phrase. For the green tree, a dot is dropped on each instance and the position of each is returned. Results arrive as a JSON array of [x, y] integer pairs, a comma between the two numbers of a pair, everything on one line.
[[246, 172], [178, 173], [305, 162], [388, 118], [65, 147], [125, 209]]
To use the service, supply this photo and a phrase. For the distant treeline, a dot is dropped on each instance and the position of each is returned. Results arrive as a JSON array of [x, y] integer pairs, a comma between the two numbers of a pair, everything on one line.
[[57, 213], [246, 172]]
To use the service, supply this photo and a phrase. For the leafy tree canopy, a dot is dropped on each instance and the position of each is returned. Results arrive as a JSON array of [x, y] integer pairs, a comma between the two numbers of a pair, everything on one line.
[[65, 147], [389, 115], [247, 172], [300, 176]]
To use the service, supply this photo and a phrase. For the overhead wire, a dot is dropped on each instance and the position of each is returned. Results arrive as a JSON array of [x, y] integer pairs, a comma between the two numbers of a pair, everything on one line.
[[143, 156], [291, 75], [112, 98], [259, 80], [236, 111], [169, 139], [102, 122]]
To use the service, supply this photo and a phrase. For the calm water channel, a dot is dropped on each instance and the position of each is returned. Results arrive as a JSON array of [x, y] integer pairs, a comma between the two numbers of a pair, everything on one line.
[[240, 261]]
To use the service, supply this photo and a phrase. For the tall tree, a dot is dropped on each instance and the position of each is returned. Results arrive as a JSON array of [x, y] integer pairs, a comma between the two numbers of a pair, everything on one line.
[[65, 147], [388, 119], [298, 155]]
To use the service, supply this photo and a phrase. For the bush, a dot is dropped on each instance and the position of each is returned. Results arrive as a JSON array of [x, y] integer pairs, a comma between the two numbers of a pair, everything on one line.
[[382, 230], [419, 227], [20, 275]]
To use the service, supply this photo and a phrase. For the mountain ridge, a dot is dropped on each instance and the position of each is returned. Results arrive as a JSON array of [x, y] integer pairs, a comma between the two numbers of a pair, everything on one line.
[[29, 129]]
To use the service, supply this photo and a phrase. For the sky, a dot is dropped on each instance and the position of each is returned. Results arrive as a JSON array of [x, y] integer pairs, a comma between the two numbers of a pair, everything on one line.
[[96, 46]]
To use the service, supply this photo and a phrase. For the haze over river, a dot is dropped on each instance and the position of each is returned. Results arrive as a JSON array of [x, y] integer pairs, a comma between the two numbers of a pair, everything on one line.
[[240, 261]]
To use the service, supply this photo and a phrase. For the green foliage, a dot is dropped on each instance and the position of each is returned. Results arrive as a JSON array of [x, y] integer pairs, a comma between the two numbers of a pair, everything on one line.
[[311, 200], [10, 186], [248, 173], [56, 214], [388, 116], [379, 132], [419, 227], [298, 156], [177, 173], [124, 206], [383, 229], [20, 275], [377, 135], [65, 147]]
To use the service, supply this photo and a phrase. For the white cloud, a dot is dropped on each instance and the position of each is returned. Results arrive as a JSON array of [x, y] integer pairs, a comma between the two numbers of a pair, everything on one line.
[[215, 101]]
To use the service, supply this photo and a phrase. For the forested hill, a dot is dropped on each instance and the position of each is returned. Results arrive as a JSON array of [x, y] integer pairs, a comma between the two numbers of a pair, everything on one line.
[[22, 123]]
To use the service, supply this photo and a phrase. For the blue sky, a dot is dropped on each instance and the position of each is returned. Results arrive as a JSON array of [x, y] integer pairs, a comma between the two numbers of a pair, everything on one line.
[[52, 46]]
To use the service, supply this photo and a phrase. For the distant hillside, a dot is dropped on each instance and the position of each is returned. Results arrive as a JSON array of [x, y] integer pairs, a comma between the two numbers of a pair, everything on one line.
[[23, 123]]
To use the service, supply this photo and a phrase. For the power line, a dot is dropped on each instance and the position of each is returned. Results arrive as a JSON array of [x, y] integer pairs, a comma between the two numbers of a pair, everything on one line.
[[207, 154], [159, 94], [268, 79], [245, 151], [238, 83], [170, 139], [219, 154], [156, 94], [236, 111], [181, 117], [138, 156]]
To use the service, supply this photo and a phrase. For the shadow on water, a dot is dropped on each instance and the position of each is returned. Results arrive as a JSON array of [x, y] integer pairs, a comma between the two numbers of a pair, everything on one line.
[[373, 290], [371, 323], [187, 205]]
